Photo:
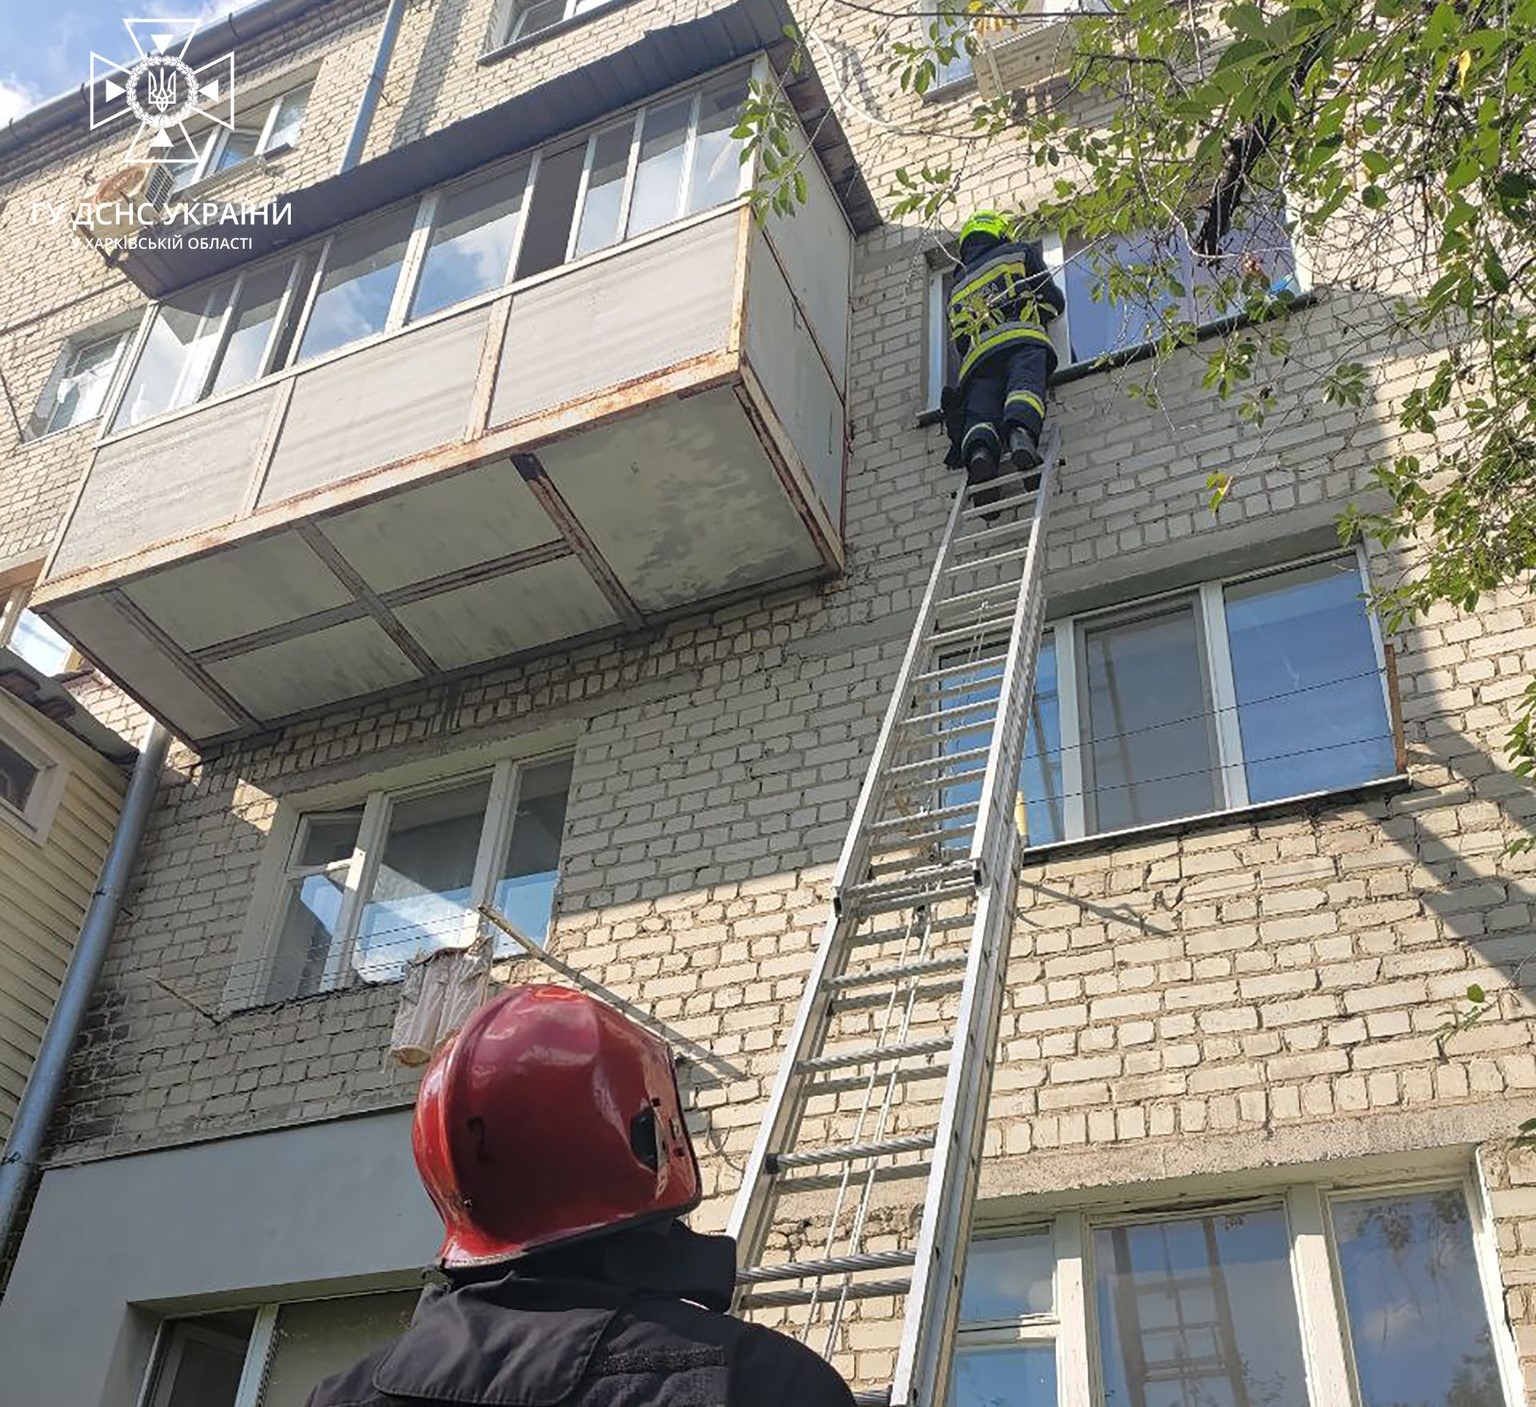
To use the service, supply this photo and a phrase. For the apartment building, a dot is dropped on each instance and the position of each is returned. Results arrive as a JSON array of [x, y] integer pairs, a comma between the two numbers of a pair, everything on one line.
[[522, 519]]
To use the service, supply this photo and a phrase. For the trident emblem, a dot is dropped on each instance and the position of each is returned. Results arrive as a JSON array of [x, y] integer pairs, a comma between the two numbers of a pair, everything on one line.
[[161, 86]]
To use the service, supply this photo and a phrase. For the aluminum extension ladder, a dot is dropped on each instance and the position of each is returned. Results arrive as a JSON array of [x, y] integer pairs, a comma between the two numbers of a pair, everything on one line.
[[906, 989]]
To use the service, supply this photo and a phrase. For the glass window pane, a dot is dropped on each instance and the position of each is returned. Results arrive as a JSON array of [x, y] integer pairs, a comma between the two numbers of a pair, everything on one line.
[[605, 189], [200, 1360], [238, 146], [1008, 1277], [471, 244], [659, 171], [1418, 1322], [540, 15], [289, 122], [716, 174], [174, 362], [1309, 696], [1040, 776], [1150, 742], [423, 882], [962, 65], [358, 284], [1022, 1376], [525, 884], [321, 1337], [1257, 245], [550, 210], [40, 644], [326, 840], [1096, 323], [1199, 1312], [250, 326], [81, 389], [17, 777], [308, 933]]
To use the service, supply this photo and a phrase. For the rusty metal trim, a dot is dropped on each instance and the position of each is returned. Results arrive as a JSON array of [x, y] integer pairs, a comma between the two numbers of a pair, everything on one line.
[[560, 514], [348, 575], [491, 352], [280, 633], [183, 662], [266, 450]]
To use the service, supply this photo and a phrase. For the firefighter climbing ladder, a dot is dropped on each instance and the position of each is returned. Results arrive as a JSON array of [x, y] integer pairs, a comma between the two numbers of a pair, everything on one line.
[[906, 989]]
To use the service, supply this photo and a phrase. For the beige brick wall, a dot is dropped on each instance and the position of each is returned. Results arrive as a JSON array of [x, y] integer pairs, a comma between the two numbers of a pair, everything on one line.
[[1259, 991]]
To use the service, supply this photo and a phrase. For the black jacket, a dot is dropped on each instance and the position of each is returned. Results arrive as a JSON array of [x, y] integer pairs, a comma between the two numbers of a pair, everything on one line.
[[1002, 296], [608, 1324]]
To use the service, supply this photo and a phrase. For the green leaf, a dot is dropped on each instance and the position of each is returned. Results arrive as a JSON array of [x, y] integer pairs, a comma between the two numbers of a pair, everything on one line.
[[1373, 198], [1476, 994]]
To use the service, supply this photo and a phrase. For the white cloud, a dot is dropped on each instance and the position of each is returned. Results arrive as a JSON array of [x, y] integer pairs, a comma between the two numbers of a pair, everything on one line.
[[16, 97], [203, 11]]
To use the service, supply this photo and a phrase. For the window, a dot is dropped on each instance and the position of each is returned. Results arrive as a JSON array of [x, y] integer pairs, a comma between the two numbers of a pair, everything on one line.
[[521, 19], [213, 339], [672, 159], [77, 390], [951, 28], [1097, 324], [32, 776], [1203, 1306], [1225, 695], [27, 634], [271, 1356], [261, 129], [366, 888]]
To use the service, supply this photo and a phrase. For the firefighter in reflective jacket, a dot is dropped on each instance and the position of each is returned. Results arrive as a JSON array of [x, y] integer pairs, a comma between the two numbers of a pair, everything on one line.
[[550, 1136], [1002, 298]]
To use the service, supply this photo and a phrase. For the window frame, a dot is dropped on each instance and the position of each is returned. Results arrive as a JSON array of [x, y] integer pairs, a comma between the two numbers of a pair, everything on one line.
[[34, 819], [506, 30], [206, 168], [122, 329], [1327, 1360], [13, 606], [249, 984], [316, 254], [1228, 762]]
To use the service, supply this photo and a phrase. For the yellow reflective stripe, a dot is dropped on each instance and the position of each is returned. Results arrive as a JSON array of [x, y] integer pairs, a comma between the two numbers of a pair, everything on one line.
[[985, 275], [1002, 338], [1029, 398]]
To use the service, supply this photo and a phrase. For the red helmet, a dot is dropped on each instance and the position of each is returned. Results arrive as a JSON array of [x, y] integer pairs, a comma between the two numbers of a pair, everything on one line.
[[548, 1118]]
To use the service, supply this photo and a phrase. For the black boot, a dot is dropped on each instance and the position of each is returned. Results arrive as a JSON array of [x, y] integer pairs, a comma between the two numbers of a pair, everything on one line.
[[981, 468], [1023, 449]]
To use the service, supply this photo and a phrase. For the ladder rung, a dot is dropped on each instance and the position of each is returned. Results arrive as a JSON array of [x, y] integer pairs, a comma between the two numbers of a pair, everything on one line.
[[871, 1055], [992, 627], [1012, 554], [830, 1181], [951, 835], [908, 891], [847, 1083], [900, 972], [874, 1001], [948, 715], [948, 671], [820, 1269], [858, 1290], [948, 759], [906, 899], [1005, 594], [852, 1152], [999, 532], [937, 813], [897, 935]]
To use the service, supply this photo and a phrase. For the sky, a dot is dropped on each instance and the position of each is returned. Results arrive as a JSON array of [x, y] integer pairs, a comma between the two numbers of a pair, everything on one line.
[[45, 45]]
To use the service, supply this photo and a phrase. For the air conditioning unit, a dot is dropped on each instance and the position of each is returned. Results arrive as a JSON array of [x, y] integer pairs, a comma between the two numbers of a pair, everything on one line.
[[129, 200], [1021, 50]]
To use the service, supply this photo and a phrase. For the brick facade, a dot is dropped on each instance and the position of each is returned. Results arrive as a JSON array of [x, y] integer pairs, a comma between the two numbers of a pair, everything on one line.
[[1232, 994]]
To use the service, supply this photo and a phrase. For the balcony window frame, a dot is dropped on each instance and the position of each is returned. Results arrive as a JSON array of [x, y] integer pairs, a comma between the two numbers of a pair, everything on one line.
[[35, 816], [1313, 1262], [317, 253], [1228, 762], [250, 981]]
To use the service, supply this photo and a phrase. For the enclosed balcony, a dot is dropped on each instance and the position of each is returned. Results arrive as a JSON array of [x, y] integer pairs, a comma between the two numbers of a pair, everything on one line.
[[573, 394]]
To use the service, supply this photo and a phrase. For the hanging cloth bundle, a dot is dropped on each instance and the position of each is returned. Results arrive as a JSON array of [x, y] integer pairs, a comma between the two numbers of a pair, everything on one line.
[[442, 988]]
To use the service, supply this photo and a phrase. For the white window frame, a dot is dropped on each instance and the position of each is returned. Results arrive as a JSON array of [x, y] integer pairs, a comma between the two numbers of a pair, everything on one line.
[[34, 819], [207, 163], [123, 332], [507, 22], [12, 608], [1208, 602], [1328, 1361], [249, 982], [317, 253]]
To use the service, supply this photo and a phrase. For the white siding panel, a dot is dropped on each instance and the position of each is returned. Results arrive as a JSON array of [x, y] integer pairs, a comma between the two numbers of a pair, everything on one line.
[[183, 477], [372, 407], [803, 397], [816, 248], [631, 315]]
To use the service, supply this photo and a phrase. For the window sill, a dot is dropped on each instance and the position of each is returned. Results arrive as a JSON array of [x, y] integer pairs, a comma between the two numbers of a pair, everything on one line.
[[948, 92], [1214, 820], [1076, 371], [554, 31]]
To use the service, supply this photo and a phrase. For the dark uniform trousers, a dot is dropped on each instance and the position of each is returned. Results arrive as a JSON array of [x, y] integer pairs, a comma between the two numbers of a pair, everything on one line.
[[581, 1328], [1005, 394]]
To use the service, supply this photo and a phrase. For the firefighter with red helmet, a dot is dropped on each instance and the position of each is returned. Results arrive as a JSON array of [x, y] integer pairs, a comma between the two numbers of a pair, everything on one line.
[[550, 1136]]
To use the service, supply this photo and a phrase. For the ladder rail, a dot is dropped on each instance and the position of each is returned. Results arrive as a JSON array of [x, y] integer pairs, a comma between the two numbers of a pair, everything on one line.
[[851, 858]]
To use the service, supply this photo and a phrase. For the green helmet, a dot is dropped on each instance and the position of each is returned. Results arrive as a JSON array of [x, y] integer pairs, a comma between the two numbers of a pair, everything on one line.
[[985, 222]]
